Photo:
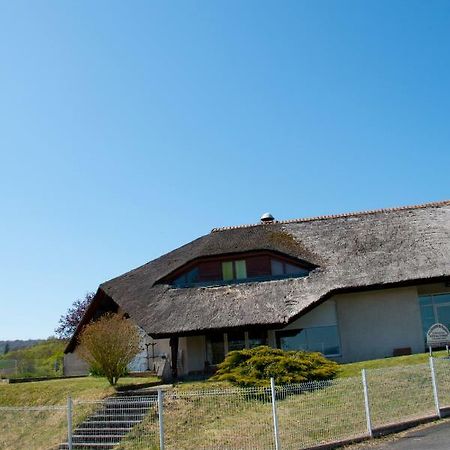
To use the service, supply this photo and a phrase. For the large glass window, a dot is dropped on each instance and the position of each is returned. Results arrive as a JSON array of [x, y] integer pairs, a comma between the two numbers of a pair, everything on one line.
[[292, 340], [315, 339], [215, 348], [257, 338], [236, 340], [434, 309]]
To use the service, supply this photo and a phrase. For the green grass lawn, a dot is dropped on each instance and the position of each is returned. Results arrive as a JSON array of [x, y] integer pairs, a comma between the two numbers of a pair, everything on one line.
[[354, 369], [45, 428], [55, 392], [399, 388]]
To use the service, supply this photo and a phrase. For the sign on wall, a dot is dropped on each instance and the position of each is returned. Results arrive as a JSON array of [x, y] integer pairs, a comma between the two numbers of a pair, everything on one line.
[[438, 336]]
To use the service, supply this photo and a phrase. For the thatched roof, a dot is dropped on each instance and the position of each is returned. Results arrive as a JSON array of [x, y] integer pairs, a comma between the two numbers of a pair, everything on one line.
[[352, 251]]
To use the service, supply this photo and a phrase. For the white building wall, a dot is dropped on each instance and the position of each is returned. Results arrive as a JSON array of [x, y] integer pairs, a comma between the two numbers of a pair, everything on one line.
[[321, 316], [373, 324], [161, 349]]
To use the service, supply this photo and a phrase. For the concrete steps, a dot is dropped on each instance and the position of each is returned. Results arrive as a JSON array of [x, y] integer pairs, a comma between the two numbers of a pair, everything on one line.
[[112, 420]]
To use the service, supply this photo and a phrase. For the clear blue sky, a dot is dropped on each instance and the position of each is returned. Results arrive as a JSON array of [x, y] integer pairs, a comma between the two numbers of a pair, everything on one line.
[[130, 128]]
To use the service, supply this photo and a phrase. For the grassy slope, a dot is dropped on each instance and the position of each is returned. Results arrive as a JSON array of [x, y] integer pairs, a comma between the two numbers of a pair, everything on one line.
[[205, 422], [55, 392], [354, 369], [400, 390], [330, 413], [42, 429]]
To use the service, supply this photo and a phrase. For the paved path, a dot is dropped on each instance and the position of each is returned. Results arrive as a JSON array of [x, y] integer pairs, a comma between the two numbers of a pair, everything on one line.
[[435, 437]]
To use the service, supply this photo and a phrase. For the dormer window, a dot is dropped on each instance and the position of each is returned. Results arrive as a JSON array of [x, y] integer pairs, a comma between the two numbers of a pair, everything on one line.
[[280, 268], [186, 279], [234, 270], [248, 267]]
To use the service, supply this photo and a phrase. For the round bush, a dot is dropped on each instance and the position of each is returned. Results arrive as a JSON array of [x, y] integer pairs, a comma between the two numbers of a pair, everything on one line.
[[255, 367]]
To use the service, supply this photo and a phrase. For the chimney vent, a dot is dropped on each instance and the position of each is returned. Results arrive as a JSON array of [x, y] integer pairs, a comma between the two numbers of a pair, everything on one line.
[[267, 218]]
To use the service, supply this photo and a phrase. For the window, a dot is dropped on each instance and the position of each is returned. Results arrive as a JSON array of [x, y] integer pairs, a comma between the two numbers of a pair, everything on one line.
[[433, 309], [217, 343], [187, 279], [236, 340], [228, 269], [234, 270], [315, 339], [215, 348], [280, 268], [277, 267], [257, 338]]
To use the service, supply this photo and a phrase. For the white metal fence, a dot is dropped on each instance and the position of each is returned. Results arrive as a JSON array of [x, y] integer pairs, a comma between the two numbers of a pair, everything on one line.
[[285, 417], [28, 368]]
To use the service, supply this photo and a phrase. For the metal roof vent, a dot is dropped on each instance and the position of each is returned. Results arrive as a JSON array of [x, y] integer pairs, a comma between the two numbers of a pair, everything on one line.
[[267, 218]]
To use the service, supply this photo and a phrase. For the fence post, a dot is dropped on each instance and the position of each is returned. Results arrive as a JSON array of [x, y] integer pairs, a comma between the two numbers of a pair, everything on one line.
[[435, 389], [367, 403], [161, 418], [69, 422], [274, 414]]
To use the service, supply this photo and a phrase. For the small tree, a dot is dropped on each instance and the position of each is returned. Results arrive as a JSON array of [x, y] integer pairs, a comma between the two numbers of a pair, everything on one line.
[[6, 350], [109, 345], [68, 322]]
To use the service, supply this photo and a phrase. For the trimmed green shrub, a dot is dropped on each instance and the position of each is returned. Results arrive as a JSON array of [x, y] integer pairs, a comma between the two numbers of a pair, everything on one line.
[[254, 367]]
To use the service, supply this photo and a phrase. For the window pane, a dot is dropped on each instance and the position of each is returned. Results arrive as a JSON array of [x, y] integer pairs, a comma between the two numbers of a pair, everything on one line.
[[227, 270], [257, 338], [294, 270], [180, 281], [323, 339], [277, 267], [215, 350], [292, 340], [425, 300], [192, 276], [241, 270], [443, 315], [428, 318], [442, 298], [236, 340]]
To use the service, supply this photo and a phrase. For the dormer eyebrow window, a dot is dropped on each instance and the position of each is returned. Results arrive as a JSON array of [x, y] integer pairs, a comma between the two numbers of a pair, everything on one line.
[[240, 268]]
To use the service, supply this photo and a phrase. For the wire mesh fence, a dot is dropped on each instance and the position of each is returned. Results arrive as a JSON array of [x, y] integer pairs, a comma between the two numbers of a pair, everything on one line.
[[8, 368], [218, 419], [30, 368], [125, 423], [320, 412], [442, 369], [280, 417], [32, 428], [400, 394]]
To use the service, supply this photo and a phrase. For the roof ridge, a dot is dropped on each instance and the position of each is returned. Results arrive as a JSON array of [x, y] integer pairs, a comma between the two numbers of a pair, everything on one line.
[[336, 216]]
